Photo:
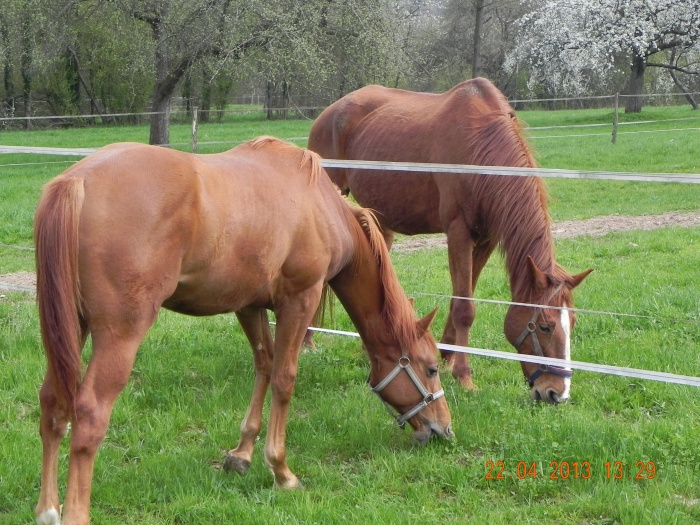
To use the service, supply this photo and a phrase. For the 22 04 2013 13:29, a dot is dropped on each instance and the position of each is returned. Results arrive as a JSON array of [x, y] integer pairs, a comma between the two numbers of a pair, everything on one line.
[[498, 470]]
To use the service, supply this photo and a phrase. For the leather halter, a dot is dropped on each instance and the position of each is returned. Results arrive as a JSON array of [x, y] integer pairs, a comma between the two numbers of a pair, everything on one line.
[[405, 365], [531, 330]]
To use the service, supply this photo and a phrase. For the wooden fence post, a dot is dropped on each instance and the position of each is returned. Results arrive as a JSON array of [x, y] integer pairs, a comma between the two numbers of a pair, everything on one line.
[[615, 118], [194, 129]]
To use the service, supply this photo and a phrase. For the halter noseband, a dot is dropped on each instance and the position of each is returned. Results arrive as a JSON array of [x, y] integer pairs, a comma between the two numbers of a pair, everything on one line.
[[405, 364], [531, 330]]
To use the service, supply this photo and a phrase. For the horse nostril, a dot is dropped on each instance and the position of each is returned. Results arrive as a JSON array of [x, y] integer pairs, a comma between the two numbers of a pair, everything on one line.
[[552, 396]]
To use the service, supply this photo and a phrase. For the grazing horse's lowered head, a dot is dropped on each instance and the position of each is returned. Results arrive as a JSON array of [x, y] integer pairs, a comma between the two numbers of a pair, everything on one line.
[[544, 330]]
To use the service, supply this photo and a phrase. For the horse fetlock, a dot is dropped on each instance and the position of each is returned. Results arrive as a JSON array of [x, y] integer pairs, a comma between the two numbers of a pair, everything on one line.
[[49, 517]]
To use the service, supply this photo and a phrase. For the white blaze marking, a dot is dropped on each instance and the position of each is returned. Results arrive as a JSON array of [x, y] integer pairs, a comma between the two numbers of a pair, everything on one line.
[[566, 326]]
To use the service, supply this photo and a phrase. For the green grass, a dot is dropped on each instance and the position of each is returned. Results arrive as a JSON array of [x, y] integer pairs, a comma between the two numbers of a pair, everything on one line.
[[160, 463], [161, 460]]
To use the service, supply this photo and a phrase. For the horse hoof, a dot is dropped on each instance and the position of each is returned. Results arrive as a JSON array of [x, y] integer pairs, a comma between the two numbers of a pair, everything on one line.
[[290, 484], [236, 464], [467, 383]]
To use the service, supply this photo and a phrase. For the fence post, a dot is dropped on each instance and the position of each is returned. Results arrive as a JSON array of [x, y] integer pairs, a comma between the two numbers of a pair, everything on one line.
[[194, 129], [615, 118]]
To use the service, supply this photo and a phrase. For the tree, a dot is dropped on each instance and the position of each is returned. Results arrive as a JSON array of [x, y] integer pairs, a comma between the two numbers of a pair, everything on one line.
[[473, 40], [573, 45]]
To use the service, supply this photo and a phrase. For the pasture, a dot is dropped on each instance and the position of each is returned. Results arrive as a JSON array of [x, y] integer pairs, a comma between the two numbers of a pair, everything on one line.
[[575, 463]]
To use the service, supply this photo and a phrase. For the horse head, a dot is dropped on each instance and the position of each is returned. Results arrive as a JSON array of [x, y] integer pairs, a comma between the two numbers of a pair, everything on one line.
[[407, 379], [545, 330]]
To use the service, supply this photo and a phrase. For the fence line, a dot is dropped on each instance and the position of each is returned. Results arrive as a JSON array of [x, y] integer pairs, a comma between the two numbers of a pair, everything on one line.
[[508, 171], [682, 178], [264, 108], [637, 373]]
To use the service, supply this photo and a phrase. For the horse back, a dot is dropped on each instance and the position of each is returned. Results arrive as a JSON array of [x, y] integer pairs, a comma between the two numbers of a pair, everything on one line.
[[205, 234]]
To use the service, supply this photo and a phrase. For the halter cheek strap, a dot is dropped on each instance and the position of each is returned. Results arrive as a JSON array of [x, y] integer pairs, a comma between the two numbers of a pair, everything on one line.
[[531, 330], [428, 397]]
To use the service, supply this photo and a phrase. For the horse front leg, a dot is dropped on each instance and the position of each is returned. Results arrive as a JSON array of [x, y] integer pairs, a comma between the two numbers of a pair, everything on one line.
[[257, 329], [292, 319], [460, 317]]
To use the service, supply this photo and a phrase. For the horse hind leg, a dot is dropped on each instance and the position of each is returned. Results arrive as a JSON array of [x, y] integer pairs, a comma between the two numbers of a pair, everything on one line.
[[52, 427], [106, 376], [257, 329]]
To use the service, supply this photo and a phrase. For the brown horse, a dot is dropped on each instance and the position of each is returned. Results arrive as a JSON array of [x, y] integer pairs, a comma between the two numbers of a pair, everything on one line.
[[133, 228], [470, 124]]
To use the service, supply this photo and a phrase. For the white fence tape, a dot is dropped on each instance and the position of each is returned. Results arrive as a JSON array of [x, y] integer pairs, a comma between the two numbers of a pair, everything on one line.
[[682, 178], [636, 373], [519, 172]]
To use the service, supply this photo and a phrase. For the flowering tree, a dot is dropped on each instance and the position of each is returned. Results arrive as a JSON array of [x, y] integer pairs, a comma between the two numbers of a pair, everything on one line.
[[574, 44]]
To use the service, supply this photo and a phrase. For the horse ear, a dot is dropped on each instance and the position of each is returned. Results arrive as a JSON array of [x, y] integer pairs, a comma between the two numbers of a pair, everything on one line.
[[412, 301], [538, 277], [576, 279], [424, 324]]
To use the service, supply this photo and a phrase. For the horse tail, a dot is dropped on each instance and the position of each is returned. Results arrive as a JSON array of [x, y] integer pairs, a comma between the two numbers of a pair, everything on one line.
[[58, 292]]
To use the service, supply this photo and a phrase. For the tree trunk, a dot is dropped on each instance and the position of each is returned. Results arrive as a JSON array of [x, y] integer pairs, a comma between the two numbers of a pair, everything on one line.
[[478, 22], [635, 100], [160, 120], [160, 100], [205, 107], [7, 71], [26, 66]]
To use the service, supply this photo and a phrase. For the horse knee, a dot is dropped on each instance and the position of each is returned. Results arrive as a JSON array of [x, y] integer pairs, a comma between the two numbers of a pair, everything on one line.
[[54, 416], [90, 424], [462, 314], [282, 385]]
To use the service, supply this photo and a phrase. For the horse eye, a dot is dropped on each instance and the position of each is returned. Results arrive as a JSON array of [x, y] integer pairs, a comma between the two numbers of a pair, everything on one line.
[[432, 371], [546, 328]]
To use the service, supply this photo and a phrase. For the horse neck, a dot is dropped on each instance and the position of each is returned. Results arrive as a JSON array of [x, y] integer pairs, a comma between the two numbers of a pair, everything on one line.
[[371, 295], [514, 208], [518, 219], [362, 302]]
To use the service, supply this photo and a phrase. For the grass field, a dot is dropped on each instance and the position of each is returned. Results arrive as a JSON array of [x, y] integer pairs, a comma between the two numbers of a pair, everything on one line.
[[160, 463]]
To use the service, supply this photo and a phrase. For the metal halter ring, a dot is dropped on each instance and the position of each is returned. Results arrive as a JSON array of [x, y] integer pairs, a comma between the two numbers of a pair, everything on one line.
[[428, 397]]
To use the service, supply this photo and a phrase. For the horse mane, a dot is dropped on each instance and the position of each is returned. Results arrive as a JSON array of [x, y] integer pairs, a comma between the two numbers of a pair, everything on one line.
[[512, 218], [398, 315], [307, 156]]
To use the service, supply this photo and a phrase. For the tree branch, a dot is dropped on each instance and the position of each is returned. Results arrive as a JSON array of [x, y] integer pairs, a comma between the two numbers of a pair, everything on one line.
[[673, 68]]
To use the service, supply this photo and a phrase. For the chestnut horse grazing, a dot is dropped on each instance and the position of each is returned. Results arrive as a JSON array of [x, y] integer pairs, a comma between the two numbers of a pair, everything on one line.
[[133, 228], [470, 124]]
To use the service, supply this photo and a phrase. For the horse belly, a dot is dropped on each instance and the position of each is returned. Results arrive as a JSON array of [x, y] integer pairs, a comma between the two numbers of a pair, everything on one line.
[[405, 202], [215, 297]]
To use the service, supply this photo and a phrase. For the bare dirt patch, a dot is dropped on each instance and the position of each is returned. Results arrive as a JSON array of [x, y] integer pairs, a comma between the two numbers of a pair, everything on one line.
[[597, 226], [18, 282]]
